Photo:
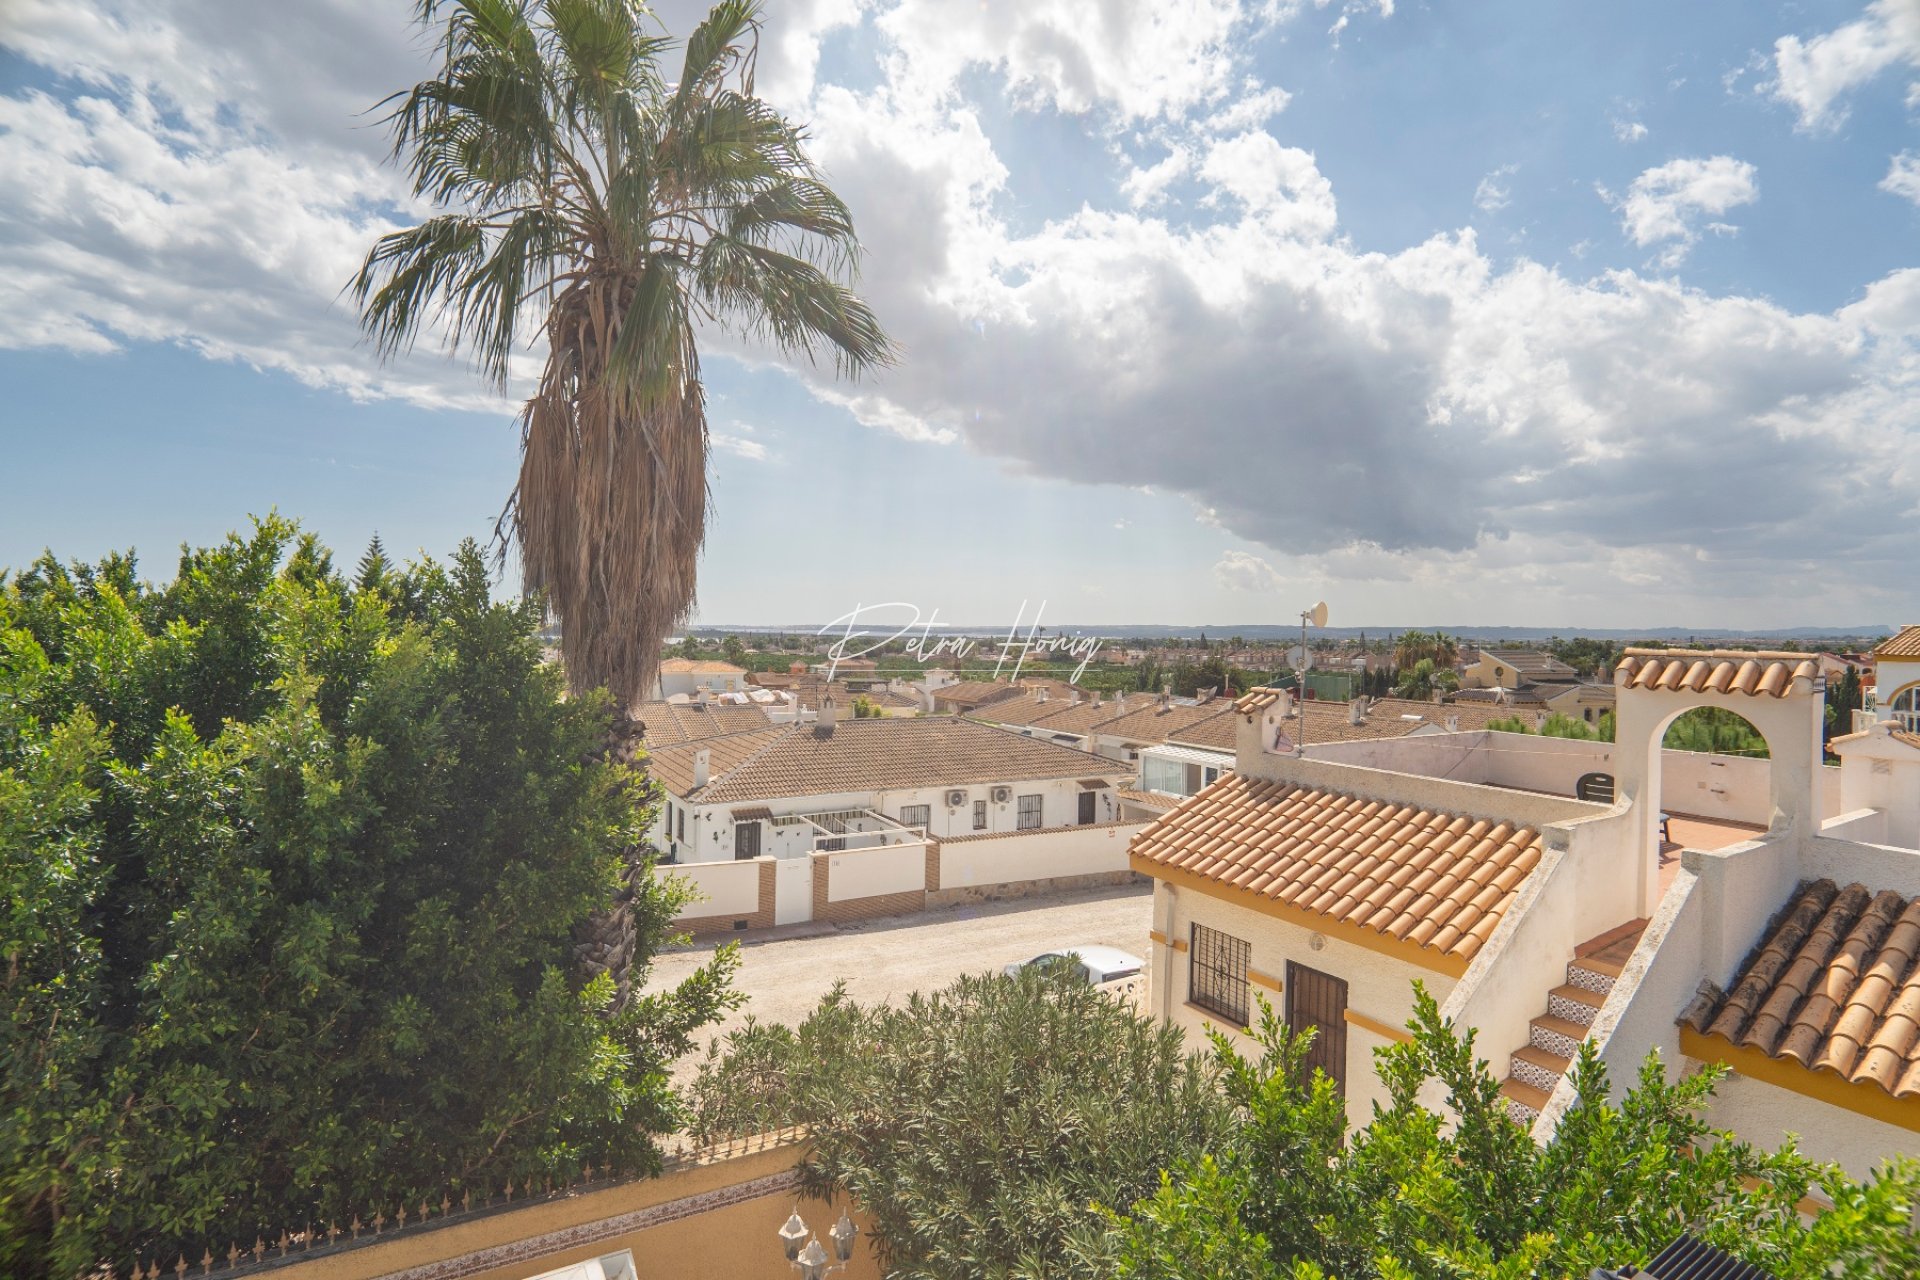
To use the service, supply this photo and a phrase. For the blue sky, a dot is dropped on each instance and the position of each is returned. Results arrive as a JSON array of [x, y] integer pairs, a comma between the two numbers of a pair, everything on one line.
[[1505, 313]]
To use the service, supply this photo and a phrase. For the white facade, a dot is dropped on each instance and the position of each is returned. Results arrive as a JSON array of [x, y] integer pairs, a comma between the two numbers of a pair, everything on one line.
[[709, 833]]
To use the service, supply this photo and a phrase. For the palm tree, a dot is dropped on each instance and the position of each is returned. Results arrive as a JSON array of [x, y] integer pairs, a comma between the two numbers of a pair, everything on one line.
[[589, 201], [1417, 645], [1423, 680]]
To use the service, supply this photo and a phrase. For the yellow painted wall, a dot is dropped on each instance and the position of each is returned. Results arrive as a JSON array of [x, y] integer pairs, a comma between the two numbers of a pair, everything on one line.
[[714, 1217]]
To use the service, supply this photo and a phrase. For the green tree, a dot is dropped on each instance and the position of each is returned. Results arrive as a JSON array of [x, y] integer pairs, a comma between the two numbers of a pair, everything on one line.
[[1424, 680], [1844, 697], [305, 905], [734, 651], [593, 200], [865, 708], [977, 1125], [1415, 1196], [1426, 646], [1715, 730]]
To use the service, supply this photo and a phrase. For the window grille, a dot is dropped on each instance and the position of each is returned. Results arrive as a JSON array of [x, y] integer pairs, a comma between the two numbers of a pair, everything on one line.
[[1029, 814], [979, 815], [1217, 973], [916, 815]]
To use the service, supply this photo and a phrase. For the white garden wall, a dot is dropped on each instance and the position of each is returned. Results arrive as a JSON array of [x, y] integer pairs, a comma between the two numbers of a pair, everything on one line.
[[1049, 854]]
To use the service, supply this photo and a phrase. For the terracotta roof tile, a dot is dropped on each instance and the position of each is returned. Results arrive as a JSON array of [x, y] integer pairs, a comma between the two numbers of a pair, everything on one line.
[[1771, 675], [1436, 879], [670, 723], [1904, 643], [1834, 986], [1155, 723], [869, 755], [699, 666]]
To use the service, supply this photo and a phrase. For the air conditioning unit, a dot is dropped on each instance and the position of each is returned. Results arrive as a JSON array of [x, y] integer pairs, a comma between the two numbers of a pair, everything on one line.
[[955, 799], [1002, 794]]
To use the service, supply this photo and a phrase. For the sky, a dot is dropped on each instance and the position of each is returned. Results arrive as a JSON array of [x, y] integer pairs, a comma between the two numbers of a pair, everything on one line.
[[1508, 313]]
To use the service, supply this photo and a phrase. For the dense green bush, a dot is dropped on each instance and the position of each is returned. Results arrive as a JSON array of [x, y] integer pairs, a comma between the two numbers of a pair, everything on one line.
[[296, 870], [978, 1126]]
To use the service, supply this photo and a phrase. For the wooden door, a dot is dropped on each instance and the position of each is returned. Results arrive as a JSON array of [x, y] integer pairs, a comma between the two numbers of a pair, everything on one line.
[[1086, 807], [1319, 1000]]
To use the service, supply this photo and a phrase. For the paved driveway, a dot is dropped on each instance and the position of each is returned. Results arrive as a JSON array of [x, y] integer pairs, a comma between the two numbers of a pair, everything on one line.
[[889, 959]]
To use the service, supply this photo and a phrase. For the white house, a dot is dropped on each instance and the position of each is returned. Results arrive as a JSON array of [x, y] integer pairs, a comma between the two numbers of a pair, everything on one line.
[[687, 677], [1756, 913], [795, 822], [1894, 693]]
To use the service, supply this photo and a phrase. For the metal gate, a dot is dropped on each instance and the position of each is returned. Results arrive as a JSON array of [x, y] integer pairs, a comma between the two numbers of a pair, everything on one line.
[[792, 890], [1319, 1000]]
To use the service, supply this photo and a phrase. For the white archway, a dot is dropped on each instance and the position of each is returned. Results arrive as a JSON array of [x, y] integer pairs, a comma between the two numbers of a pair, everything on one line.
[[1781, 695]]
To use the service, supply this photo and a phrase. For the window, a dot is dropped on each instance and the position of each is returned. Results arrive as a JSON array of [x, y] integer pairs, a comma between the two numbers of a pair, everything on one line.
[[1029, 813], [1217, 973], [1086, 807], [979, 815], [1906, 709], [683, 825], [746, 840], [1169, 777], [916, 815]]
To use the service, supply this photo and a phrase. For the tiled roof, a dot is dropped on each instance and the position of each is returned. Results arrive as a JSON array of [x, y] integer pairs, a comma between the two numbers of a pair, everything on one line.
[[1525, 696], [668, 723], [871, 755], [1904, 643], [1533, 664], [1150, 799], [972, 693], [1436, 880], [1218, 733], [1025, 710], [1086, 718], [1328, 721], [1715, 671], [1155, 723], [699, 667], [1834, 987]]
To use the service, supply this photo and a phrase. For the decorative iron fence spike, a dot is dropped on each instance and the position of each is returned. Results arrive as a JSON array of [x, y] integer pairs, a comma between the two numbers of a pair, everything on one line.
[[233, 1254], [180, 1267], [379, 1221], [466, 1200], [445, 1204], [588, 1173], [283, 1243], [423, 1211], [259, 1248], [401, 1219], [509, 1191], [332, 1232], [206, 1262], [356, 1226]]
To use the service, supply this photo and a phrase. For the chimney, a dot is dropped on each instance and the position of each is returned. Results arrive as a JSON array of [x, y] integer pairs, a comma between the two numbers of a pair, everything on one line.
[[702, 767], [1073, 699], [1453, 724], [829, 714], [1357, 711], [1040, 694], [1099, 698]]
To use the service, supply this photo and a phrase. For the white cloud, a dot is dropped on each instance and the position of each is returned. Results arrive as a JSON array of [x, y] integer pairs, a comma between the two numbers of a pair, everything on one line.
[[1251, 110], [1146, 186], [740, 446], [1664, 202], [1420, 419], [1903, 176], [1494, 192], [1814, 75], [1240, 571], [1629, 130]]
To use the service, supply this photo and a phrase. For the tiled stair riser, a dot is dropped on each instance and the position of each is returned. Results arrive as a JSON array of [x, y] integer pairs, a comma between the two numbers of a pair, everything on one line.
[[1572, 1010], [1553, 1042], [1590, 979], [1534, 1074], [1522, 1114]]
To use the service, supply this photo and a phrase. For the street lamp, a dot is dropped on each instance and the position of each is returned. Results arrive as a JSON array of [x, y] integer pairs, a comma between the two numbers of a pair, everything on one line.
[[812, 1261]]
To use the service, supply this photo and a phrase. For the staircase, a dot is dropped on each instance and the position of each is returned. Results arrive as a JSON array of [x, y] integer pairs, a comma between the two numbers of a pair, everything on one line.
[[1554, 1038]]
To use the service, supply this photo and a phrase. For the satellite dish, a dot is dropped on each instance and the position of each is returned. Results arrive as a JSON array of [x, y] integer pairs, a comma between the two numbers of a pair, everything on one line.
[[1319, 615], [1299, 659]]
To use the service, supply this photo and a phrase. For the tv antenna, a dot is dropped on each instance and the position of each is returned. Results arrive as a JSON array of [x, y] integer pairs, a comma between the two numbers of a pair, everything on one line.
[[1316, 617]]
